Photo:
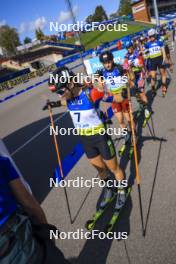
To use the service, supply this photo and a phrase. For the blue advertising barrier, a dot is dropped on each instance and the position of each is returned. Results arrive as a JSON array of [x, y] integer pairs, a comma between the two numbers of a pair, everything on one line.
[[14, 75], [94, 64], [66, 45]]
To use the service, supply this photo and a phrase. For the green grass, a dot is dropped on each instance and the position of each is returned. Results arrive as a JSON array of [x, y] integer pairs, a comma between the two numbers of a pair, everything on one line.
[[94, 38]]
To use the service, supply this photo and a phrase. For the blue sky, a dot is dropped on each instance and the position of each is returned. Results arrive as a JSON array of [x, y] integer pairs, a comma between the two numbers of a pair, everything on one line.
[[27, 15]]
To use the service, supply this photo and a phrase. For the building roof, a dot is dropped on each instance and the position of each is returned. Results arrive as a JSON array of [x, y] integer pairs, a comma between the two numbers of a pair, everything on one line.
[[34, 54]]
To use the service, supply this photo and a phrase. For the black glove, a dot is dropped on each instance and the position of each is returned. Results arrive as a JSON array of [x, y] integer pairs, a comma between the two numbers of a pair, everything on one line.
[[52, 105]]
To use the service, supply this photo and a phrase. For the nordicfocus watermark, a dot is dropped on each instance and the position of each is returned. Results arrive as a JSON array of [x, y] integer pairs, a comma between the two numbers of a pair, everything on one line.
[[80, 182], [111, 131], [88, 79], [81, 234], [81, 26]]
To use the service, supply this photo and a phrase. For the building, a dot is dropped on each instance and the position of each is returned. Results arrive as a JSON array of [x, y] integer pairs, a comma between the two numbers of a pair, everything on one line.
[[143, 10], [42, 55], [164, 7]]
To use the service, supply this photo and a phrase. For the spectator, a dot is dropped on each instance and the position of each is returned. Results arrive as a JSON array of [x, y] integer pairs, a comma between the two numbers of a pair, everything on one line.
[[119, 45], [20, 242]]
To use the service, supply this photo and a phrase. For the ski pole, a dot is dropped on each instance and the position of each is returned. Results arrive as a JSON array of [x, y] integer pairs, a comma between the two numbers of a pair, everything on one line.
[[58, 157], [138, 177], [55, 140]]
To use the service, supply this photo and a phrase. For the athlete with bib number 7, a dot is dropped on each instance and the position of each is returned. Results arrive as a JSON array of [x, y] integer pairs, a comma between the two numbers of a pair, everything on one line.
[[83, 106]]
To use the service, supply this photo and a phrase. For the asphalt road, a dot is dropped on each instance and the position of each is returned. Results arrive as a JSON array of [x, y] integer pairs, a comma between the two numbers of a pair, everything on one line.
[[24, 129]]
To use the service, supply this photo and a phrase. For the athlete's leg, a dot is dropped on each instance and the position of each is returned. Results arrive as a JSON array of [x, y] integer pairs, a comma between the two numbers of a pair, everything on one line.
[[121, 114], [127, 118], [117, 110], [113, 166], [143, 97], [171, 64], [108, 154], [163, 78], [126, 113], [120, 118], [119, 175], [153, 80], [104, 174], [169, 60], [100, 165]]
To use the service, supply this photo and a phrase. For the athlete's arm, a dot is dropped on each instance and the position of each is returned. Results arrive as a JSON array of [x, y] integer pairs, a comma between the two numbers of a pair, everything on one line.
[[128, 71], [21, 194], [97, 96], [28, 202], [163, 51]]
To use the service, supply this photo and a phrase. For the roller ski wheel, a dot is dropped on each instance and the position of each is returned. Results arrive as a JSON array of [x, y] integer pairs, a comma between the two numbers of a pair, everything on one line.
[[90, 225], [98, 214], [114, 219]]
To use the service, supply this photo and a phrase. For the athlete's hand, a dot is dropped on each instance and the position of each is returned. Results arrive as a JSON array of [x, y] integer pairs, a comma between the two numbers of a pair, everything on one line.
[[52, 104]]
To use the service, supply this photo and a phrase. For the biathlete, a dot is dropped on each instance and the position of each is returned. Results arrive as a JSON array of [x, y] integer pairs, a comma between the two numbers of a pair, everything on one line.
[[83, 106], [114, 80], [157, 59], [164, 36], [135, 60]]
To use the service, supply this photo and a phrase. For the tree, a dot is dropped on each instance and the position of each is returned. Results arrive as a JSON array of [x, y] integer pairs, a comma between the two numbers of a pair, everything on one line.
[[99, 14], [125, 7], [113, 15], [9, 39], [27, 40], [89, 19], [39, 34]]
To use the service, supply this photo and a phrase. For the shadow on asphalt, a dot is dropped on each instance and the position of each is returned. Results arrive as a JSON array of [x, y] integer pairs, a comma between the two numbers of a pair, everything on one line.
[[37, 160], [153, 187], [97, 250]]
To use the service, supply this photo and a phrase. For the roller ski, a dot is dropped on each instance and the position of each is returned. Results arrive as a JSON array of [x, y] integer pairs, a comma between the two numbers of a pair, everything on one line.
[[147, 117], [108, 199], [122, 196], [131, 150], [123, 148]]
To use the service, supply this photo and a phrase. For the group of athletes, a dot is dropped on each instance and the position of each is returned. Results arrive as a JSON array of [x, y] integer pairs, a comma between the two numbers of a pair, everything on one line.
[[147, 55]]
